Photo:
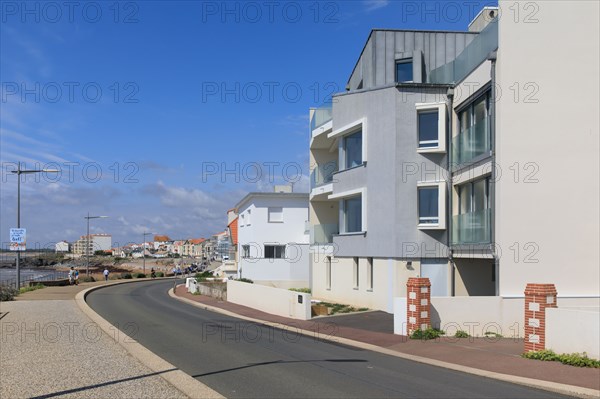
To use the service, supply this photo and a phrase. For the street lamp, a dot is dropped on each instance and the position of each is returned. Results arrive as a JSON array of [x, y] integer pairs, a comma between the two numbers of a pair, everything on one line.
[[87, 247], [144, 249], [20, 172]]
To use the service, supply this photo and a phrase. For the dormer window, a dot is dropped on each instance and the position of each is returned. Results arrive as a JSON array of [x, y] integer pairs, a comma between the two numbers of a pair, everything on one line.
[[404, 70]]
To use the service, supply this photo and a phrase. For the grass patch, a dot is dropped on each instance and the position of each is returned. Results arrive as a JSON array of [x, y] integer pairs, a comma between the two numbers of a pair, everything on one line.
[[336, 308], [302, 290], [126, 276], [88, 279], [31, 288], [160, 274], [203, 276], [245, 280], [570, 359], [140, 275], [430, 333]]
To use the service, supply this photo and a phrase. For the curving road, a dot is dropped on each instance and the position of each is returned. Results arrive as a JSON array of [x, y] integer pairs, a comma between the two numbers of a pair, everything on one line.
[[243, 359]]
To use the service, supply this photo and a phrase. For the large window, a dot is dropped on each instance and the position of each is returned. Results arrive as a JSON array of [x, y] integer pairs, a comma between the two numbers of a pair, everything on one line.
[[474, 139], [353, 149], [275, 214], [474, 196], [274, 251], [429, 205], [428, 123], [404, 70], [353, 215]]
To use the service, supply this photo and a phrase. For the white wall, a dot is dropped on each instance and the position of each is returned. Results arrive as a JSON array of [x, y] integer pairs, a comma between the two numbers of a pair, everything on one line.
[[550, 132], [276, 301], [291, 232], [573, 330]]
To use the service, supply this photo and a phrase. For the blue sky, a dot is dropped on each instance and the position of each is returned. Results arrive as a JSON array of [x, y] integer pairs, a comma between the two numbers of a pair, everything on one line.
[[133, 101]]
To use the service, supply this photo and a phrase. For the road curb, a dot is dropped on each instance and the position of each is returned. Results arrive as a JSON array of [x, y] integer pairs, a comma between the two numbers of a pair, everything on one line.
[[180, 380], [564, 389]]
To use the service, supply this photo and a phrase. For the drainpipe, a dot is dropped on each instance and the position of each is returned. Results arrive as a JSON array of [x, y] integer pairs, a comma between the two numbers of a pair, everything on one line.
[[450, 102], [492, 57]]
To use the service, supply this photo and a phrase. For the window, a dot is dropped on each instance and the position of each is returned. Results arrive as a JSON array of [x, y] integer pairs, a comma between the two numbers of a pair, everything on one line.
[[427, 123], [243, 220], [356, 272], [428, 205], [274, 251], [404, 70], [248, 217], [352, 215], [474, 196], [275, 214], [475, 132], [353, 149], [370, 274], [328, 272], [431, 127], [245, 251]]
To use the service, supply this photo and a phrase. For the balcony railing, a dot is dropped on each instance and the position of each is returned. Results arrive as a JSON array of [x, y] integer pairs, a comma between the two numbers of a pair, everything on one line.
[[471, 143], [472, 228], [322, 234], [323, 174], [471, 57], [320, 117]]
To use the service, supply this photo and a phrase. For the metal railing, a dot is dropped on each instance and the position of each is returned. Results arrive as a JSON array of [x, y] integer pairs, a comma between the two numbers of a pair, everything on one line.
[[472, 228], [50, 276]]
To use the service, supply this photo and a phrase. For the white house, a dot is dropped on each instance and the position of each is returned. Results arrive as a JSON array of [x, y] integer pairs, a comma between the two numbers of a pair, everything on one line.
[[62, 246], [273, 241]]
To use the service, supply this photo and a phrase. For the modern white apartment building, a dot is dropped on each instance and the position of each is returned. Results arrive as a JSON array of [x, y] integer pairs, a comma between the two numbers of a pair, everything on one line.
[[428, 166], [272, 239]]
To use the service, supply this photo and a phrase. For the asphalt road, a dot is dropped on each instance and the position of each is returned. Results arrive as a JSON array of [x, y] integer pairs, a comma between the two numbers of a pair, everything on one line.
[[242, 359]]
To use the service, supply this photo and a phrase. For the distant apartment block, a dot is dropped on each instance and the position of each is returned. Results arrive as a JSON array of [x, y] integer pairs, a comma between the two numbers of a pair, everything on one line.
[[96, 242]]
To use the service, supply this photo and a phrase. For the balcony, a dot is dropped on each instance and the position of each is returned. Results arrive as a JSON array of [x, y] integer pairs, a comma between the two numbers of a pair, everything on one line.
[[472, 228], [471, 143], [322, 234], [320, 117], [323, 174], [472, 56]]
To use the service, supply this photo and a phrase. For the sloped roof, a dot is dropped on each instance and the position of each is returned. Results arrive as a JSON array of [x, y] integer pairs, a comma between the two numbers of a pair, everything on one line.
[[233, 228]]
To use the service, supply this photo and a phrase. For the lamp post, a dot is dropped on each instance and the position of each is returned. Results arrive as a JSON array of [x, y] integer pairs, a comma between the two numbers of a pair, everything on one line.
[[20, 172], [144, 249], [87, 247]]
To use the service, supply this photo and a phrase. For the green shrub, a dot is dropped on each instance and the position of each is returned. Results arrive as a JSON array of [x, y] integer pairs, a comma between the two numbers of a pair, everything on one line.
[[461, 334], [570, 359], [245, 280], [87, 279], [430, 333], [30, 288], [114, 276], [8, 293], [126, 276], [140, 275], [303, 290], [492, 334], [160, 274]]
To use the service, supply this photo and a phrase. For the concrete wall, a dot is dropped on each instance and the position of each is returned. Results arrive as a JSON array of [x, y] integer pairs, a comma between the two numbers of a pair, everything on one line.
[[389, 281], [573, 330], [551, 136], [276, 301], [391, 174]]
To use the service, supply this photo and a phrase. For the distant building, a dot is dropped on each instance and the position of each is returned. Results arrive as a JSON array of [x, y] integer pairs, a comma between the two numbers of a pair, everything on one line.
[[62, 246], [96, 242]]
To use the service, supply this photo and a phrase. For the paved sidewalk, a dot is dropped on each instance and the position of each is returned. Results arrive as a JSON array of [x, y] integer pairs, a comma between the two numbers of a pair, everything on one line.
[[50, 348], [498, 355]]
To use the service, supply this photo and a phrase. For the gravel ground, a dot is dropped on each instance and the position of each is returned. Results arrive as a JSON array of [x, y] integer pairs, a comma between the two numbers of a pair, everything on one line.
[[50, 349]]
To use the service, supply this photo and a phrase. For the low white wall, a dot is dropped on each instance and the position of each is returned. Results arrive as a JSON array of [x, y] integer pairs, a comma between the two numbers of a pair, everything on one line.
[[400, 315], [573, 330], [276, 301]]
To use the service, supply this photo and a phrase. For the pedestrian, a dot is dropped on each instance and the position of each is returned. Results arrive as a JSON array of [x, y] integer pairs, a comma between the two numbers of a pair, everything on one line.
[[76, 277], [71, 276], [105, 274], [152, 273]]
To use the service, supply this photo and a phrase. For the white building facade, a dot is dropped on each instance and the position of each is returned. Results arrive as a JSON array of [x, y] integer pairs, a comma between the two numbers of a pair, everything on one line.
[[273, 240]]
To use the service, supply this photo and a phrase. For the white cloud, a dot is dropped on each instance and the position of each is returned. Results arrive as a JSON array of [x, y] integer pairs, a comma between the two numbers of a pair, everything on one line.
[[372, 5]]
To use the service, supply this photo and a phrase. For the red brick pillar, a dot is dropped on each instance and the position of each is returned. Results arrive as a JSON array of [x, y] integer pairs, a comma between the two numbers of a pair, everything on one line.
[[418, 315], [538, 297]]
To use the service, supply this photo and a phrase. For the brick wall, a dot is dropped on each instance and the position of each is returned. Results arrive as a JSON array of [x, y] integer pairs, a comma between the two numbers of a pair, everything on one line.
[[538, 297], [418, 295]]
